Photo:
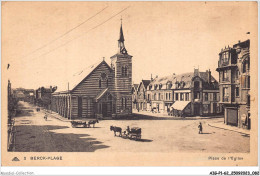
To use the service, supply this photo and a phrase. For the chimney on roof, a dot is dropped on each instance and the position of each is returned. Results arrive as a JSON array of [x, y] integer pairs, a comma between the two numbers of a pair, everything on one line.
[[196, 72], [209, 76], [151, 77]]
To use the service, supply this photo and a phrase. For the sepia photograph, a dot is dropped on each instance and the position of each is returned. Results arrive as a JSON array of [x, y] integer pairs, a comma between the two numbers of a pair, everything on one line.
[[129, 83]]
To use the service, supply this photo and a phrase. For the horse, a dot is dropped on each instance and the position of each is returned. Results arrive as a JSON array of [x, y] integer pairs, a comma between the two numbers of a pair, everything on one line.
[[116, 129], [92, 122]]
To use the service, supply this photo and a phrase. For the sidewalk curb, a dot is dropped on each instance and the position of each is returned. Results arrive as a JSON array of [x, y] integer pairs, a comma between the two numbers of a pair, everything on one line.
[[228, 129], [53, 116]]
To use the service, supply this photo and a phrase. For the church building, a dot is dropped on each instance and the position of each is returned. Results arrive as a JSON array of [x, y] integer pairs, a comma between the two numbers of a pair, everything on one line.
[[102, 90]]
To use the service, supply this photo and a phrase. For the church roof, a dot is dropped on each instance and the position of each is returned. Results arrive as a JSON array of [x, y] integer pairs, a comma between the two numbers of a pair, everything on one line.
[[79, 77]]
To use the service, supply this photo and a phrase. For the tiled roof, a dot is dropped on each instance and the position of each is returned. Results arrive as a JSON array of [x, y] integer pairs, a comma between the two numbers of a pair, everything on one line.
[[185, 77]]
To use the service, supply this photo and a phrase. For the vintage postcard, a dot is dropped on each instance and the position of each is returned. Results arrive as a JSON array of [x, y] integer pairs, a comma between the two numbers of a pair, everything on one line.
[[129, 83]]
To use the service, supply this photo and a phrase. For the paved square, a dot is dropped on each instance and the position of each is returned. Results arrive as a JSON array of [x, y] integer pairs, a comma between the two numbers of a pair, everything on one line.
[[34, 134]]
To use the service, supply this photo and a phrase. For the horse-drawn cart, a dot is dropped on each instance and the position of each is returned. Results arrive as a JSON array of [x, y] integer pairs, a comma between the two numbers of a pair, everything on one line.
[[78, 123], [134, 133]]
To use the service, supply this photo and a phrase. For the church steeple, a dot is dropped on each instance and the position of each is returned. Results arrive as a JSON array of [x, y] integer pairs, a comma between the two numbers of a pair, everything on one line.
[[121, 45]]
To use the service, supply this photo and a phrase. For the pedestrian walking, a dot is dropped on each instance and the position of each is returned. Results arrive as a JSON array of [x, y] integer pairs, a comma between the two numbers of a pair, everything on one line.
[[45, 117], [200, 128]]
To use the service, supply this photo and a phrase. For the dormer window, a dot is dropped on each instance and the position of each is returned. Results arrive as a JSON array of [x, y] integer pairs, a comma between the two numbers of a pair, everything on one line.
[[150, 87], [160, 86], [182, 84], [169, 85], [176, 84], [155, 86]]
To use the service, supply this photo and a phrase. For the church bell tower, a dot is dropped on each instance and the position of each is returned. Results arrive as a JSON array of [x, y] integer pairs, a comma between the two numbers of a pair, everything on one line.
[[121, 64]]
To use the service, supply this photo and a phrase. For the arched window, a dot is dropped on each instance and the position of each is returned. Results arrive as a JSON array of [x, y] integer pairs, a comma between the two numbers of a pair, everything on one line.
[[244, 67], [196, 85], [122, 102], [125, 102], [99, 83], [107, 82], [123, 71]]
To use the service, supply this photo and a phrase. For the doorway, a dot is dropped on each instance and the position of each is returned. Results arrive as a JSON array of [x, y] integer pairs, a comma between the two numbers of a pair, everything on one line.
[[196, 109], [104, 109], [79, 107]]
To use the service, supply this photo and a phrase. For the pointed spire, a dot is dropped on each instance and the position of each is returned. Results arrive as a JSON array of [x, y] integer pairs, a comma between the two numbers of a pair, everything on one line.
[[121, 35], [121, 45]]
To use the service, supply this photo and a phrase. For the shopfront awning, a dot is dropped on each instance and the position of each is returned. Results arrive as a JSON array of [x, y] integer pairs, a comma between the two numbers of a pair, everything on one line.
[[180, 105]]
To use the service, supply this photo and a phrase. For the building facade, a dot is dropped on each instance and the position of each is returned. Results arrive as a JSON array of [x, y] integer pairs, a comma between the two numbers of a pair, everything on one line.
[[101, 90], [234, 80], [134, 96], [43, 96], [189, 94], [142, 95]]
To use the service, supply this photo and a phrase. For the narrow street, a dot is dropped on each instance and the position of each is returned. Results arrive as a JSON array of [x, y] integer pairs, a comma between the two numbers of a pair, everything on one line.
[[34, 134]]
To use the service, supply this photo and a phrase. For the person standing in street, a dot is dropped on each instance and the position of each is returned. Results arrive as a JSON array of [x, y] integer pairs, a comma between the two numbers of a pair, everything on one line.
[[45, 117], [200, 128]]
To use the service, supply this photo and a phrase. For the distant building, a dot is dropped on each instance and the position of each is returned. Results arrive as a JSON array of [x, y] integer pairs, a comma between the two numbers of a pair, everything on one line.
[[29, 95], [234, 80], [101, 90], [190, 94], [43, 96], [19, 94], [141, 99]]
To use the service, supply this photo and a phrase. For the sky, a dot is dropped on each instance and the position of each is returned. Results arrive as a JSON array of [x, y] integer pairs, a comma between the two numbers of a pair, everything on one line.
[[163, 37]]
